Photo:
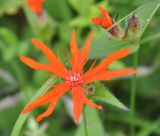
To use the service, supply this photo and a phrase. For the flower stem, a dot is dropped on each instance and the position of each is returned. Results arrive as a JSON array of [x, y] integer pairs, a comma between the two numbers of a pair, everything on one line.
[[133, 93], [85, 123], [29, 16]]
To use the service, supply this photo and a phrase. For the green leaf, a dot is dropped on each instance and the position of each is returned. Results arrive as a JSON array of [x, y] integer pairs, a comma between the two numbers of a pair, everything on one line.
[[24, 47], [149, 129], [9, 6], [104, 44], [8, 36], [146, 13], [61, 9], [96, 51], [103, 94], [9, 41], [94, 125], [85, 13], [80, 21], [21, 119], [81, 6]]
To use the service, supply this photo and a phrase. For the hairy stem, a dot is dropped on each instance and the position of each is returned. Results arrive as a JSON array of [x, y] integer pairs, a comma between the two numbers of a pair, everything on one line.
[[133, 93], [85, 123]]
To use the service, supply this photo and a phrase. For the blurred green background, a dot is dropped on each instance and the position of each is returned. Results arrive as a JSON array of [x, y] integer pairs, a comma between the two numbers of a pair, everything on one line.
[[18, 82]]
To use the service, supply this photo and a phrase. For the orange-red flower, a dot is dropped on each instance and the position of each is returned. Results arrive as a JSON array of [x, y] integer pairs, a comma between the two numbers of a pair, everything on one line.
[[74, 78], [104, 21], [36, 6]]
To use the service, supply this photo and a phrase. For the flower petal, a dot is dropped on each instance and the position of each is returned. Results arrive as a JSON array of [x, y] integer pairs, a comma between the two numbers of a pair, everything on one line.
[[104, 21], [97, 20], [79, 58], [55, 62], [35, 6], [106, 15], [35, 65], [107, 75], [77, 103], [73, 44], [75, 51], [90, 103], [51, 96], [78, 100], [106, 62], [84, 53], [47, 112], [86, 47], [117, 73]]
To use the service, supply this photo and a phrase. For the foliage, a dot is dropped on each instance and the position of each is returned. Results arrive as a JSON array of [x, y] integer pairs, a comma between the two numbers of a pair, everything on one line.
[[18, 84]]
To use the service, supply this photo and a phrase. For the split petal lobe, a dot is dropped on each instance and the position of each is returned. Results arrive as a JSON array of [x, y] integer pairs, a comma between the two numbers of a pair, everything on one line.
[[48, 52], [106, 24], [104, 21], [47, 112], [113, 57], [107, 75], [90, 103], [55, 62], [73, 43], [33, 64], [106, 15], [75, 51], [117, 73], [84, 53], [38, 102], [54, 94], [103, 11], [106, 62], [87, 45], [77, 103], [41, 100], [78, 100], [97, 20]]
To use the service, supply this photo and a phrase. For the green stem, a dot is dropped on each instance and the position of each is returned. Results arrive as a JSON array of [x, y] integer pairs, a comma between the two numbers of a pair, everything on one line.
[[133, 93], [85, 123], [31, 19]]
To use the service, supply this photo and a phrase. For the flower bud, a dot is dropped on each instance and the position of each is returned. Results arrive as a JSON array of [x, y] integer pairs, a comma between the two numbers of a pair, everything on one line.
[[116, 32], [132, 29], [133, 24], [42, 19]]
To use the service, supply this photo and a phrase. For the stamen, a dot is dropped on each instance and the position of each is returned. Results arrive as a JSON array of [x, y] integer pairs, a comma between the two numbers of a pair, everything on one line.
[[74, 79]]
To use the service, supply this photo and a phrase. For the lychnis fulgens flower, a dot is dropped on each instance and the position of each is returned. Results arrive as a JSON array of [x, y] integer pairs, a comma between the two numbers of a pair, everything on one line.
[[36, 6], [105, 21], [75, 78]]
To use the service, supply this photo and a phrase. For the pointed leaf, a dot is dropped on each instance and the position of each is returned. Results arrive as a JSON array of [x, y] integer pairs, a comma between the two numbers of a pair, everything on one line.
[[103, 94], [104, 44], [101, 42]]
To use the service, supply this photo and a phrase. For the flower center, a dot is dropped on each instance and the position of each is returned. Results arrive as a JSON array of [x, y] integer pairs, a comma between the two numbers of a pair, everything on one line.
[[74, 79]]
